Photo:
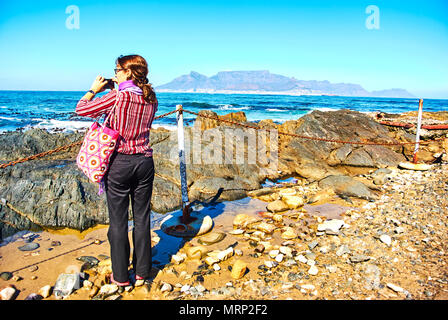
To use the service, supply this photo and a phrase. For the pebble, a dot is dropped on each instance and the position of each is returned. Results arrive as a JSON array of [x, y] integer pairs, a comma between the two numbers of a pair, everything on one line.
[[313, 270], [109, 289], [290, 263], [238, 269], [394, 287], [289, 234], [287, 251], [307, 287], [166, 287], [8, 293], [225, 254], [331, 268], [177, 258], [45, 291], [185, 288], [29, 246], [34, 296], [211, 238], [270, 264], [332, 226], [342, 250], [6, 275], [384, 238], [301, 258], [312, 245], [356, 258], [279, 258], [274, 253], [33, 268]]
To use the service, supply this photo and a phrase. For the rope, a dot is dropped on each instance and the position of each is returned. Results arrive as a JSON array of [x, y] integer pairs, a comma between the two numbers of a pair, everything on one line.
[[29, 217], [39, 155], [59, 149], [56, 256], [315, 138]]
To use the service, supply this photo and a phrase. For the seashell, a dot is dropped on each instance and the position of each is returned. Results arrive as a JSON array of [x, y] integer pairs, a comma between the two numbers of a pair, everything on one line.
[[237, 231], [206, 226], [226, 254], [196, 252], [211, 238]]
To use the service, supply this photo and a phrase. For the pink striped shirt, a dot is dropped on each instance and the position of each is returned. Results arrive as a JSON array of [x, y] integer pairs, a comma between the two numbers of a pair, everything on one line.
[[133, 119]]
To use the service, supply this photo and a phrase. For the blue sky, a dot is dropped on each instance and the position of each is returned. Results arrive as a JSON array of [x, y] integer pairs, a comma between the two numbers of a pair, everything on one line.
[[309, 40]]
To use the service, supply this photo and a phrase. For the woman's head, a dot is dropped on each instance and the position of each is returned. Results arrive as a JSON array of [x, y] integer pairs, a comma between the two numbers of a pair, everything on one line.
[[134, 67]]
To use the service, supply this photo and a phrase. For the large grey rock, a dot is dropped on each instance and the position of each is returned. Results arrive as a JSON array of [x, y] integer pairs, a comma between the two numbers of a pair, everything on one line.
[[315, 159], [55, 193], [347, 186]]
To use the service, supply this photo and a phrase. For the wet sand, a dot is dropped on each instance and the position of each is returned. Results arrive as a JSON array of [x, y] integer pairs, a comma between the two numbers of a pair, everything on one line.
[[54, 260]]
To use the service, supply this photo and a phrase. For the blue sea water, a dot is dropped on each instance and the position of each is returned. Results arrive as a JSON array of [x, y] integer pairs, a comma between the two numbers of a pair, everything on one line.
[[56, 109]]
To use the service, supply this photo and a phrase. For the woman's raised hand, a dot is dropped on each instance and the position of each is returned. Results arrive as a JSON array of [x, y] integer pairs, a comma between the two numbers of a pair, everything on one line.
[[98, 84]]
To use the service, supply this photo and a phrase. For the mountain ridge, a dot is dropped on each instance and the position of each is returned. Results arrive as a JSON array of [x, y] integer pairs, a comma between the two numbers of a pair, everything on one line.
[[264, 82]]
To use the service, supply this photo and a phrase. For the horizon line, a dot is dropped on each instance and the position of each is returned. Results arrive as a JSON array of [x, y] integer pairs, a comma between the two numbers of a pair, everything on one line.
[[238, 93]]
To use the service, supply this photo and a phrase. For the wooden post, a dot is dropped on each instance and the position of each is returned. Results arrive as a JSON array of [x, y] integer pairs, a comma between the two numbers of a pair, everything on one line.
[[182, 166], [419, 125]]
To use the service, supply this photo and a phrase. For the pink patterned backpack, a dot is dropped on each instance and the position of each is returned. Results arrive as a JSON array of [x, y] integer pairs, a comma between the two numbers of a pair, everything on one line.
[[99, 144]]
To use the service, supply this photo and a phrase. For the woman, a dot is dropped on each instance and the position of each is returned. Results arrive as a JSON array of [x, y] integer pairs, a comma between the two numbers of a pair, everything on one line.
[[131, 168]]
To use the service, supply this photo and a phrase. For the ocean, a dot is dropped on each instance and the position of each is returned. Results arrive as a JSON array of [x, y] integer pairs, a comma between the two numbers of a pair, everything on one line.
[[56, 109]]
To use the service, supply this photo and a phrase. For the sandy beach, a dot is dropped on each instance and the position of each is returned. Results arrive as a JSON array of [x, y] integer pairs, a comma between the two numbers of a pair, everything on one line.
[[392, 248]]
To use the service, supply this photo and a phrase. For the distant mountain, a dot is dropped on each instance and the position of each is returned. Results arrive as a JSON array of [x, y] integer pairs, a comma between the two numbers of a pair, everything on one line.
[[264, 82]]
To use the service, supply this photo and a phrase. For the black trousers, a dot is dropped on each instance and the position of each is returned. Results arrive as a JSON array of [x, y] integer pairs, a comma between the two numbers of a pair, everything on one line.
[[130, 177]]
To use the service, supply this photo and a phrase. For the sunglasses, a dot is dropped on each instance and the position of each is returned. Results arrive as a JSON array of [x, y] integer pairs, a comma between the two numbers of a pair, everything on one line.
[[117, 70]]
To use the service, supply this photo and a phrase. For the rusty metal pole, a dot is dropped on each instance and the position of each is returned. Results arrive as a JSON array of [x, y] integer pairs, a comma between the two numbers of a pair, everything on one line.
[[419, 125], [182, 166]]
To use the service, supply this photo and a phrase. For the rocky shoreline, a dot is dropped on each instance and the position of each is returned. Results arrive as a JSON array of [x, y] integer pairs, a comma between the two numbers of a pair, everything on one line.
[[350, 225], [317, 246], [51, 192]]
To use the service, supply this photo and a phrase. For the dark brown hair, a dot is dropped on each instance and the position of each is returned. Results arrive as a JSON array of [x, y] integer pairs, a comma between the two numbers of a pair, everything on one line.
[[139, 71]]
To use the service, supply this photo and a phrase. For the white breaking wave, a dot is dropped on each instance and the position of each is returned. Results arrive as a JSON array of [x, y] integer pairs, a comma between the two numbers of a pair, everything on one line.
[[166, 126], [7, 118], [276, 110], [53, 124], [230, 107]]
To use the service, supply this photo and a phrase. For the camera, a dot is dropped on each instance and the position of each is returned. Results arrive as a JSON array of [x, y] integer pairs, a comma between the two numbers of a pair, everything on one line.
[[110, 84]]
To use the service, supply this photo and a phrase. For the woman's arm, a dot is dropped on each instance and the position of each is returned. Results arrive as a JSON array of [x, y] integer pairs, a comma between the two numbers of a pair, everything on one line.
[[99, 106]]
